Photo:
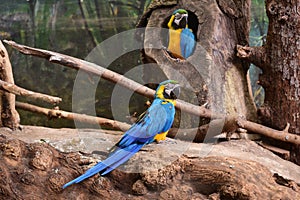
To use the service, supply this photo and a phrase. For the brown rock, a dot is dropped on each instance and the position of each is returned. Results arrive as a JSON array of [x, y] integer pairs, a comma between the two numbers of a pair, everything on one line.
[[42, 157], [139, 188], [229, 170]]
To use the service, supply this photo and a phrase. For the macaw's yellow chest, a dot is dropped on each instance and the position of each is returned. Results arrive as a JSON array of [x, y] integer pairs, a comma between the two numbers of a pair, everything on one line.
[[174, 42]]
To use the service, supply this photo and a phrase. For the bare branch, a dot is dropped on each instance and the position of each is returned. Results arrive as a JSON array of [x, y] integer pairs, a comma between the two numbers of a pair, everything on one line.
[[52, 113], [8, 87], [9, 117], [255, 55], [79, 64], [269, 132]]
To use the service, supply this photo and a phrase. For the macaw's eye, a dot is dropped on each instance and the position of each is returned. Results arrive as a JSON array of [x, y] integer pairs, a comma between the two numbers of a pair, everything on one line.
[[177, 16]]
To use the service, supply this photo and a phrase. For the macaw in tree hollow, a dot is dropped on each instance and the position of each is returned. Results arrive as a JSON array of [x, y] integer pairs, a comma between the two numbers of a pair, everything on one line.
[[181, 40], [152, 126]]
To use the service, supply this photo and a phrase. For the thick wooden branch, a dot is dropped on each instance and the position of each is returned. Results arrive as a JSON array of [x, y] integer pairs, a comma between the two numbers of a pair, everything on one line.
[[9, 117], [255, 55], [14, 89], [52, 113], [230, 125], [284, 135], [79, 64]]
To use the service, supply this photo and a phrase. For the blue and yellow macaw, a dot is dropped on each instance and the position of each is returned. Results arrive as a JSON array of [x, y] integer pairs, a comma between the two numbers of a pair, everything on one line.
[[152, 126], [181, 40]]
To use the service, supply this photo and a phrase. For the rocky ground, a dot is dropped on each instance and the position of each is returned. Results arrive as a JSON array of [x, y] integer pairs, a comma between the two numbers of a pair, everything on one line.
[[35, 162]]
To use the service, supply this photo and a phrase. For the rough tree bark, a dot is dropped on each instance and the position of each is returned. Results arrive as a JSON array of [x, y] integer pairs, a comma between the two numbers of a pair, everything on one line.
[[213, 72], [9, 116], [280, 60]]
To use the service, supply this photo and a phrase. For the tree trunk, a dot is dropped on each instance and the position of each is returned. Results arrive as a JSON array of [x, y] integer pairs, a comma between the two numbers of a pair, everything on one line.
[[213, 73], [9, 116], [279, 60], [281, 73]]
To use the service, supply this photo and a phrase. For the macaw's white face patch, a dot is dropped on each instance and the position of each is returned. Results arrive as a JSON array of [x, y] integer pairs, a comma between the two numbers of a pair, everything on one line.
[[179, 17]]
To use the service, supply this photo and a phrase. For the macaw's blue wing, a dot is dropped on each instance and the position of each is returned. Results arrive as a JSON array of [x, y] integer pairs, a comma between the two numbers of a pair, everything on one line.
[[187, 42], [156, 120]]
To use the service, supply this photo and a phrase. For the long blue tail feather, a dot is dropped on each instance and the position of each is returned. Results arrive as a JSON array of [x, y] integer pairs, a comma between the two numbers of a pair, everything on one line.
[[94, 170], [123, 159], [118, 157]]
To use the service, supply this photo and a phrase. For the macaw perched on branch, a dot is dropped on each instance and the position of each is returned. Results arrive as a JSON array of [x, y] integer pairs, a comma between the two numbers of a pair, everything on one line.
[[152, 126], [181, 40]]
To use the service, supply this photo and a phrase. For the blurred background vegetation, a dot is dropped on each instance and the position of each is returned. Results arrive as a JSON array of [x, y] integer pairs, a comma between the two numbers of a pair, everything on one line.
[[75, 27], [258, 34]]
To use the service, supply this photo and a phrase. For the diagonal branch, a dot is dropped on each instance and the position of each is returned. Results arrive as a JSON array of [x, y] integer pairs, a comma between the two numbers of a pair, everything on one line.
[[75, 63], [79, 64]]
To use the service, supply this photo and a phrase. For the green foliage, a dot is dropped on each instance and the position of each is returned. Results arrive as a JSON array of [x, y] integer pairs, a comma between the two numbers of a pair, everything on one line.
[[70, 27], [258, 33], [259, 23]]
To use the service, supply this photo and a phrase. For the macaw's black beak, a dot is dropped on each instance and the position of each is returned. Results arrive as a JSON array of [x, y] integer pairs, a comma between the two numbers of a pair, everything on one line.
[[183, 21], [185, 18], [174, 92]]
